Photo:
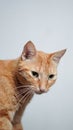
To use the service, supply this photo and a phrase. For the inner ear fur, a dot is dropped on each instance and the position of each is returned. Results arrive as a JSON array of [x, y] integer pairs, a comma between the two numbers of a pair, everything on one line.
[[57, 55], [29, 50]]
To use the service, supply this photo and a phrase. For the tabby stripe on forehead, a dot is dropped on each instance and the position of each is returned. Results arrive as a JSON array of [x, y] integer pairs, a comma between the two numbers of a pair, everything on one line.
[[22, 69]]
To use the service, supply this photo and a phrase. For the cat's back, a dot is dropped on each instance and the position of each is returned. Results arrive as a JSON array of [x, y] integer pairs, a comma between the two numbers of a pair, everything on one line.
[[3, 66], [5, 72], [6, 84], [7, 66]]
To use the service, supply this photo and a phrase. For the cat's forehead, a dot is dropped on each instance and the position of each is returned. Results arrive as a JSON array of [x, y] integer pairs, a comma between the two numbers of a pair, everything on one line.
[[45, 58], [42, 60], [42, 55]]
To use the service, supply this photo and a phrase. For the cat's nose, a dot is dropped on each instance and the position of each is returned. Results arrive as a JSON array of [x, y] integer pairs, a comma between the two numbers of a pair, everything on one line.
[[42, 89]]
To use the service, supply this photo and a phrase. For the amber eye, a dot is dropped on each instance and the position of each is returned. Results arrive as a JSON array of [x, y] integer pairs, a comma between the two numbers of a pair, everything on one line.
[[51, 76], [35, 74]]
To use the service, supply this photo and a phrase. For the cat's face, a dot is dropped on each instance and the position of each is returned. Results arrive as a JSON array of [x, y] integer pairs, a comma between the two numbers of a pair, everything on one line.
[[39, 68]]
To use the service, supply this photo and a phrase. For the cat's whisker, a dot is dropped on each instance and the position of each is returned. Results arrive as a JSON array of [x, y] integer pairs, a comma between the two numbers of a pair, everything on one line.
[[23, 93], [29, 96], [20, 101], [25, 85], [33, 88], [23, 90], [27, 93], [20, 94], [24, 98]]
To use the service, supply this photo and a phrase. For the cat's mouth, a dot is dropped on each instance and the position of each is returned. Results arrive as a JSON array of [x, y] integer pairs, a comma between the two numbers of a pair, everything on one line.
[[39, 90]]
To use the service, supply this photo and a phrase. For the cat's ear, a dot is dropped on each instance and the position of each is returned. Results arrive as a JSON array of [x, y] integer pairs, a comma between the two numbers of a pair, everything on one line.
[[57, 56], [29, 51]]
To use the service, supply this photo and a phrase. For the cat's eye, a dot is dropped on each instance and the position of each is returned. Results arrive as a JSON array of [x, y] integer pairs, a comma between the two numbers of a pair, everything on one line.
[[51, 76], [35, 74]]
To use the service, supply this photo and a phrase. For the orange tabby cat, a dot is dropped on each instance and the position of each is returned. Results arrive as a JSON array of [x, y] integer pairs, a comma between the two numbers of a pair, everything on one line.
[[33, 72]]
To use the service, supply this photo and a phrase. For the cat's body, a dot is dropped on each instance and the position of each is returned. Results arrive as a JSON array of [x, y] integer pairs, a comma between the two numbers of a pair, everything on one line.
[[33, 72]]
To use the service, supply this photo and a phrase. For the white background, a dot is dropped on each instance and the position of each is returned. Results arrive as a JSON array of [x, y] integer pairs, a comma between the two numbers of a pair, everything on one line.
[[49, 24]]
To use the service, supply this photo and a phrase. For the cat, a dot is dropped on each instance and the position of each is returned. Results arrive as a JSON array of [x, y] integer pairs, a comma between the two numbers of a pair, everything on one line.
[[33, 72]]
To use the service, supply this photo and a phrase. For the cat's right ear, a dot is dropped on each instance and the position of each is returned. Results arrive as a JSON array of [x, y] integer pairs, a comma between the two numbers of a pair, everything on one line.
[[58, 55], [29, 51]]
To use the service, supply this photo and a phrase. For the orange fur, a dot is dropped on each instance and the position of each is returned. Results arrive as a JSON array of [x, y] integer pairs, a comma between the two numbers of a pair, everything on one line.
[[33, 72]]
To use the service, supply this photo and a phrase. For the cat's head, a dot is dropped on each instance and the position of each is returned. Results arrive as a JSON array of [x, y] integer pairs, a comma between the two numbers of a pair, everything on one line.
[[39, 68]]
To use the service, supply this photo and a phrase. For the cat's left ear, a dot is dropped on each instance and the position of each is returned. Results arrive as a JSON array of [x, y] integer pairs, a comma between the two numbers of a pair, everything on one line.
[[29, 51], [58, 55]]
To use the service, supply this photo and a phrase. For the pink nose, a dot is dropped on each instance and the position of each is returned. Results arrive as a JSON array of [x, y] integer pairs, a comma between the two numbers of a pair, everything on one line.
[[42, 89]]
